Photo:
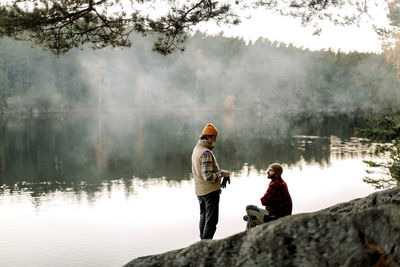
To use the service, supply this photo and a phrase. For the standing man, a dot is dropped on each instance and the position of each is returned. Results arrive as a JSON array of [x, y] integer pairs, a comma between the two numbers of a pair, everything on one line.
[[277, 200], [207, 179]]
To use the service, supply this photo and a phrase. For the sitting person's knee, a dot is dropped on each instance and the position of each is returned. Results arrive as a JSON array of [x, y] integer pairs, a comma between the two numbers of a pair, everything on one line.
[[251, 207]]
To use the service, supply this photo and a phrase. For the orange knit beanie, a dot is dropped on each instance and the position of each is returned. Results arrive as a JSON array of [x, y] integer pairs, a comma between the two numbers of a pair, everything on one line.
[[210, 130]]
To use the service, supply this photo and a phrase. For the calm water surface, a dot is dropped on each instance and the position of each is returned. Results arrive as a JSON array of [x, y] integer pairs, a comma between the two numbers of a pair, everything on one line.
[[102, 190]]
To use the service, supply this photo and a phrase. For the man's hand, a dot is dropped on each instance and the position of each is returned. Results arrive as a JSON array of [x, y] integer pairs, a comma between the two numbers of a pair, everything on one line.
[[227, 174]]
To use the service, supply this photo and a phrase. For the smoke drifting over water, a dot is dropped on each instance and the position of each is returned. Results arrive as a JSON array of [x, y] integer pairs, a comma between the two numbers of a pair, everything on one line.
[[101, 128], [149, 109], [264, 79]]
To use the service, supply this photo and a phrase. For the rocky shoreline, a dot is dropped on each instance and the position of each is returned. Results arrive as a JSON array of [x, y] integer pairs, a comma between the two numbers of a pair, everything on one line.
[[361, 232]]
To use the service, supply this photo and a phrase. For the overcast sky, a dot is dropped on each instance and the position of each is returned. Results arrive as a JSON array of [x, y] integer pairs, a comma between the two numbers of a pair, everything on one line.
[[289, 30]]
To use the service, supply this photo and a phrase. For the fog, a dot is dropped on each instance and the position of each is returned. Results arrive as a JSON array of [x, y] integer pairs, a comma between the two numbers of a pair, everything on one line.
[[91, 116], [264, 78], [93, 141], [258, 89], [214, 74]]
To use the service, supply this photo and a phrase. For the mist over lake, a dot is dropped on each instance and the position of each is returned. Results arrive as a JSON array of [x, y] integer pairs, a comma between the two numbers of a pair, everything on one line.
[[83, 187], [95, 147]]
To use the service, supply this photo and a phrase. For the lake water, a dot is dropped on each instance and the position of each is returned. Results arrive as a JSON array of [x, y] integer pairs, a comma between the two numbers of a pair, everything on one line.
[[102, 190]]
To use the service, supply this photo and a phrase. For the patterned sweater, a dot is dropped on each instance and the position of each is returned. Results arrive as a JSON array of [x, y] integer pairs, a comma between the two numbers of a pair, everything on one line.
[[205, 169]]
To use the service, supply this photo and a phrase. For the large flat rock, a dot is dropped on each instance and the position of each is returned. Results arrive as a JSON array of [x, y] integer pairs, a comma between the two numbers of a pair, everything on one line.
[[390, 196], [362, 232]]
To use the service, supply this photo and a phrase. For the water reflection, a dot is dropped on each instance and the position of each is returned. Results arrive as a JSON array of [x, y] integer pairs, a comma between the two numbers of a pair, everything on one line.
[[87, 154], [76, 189], [69, 229]]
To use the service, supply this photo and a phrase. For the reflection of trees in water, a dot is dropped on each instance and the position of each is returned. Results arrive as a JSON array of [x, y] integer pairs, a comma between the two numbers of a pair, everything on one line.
[[72, 192], [99, 149], [83, 154]]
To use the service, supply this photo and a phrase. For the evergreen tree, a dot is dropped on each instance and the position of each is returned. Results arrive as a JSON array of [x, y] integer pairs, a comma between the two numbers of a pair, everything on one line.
[[385, 131], [62, 25]]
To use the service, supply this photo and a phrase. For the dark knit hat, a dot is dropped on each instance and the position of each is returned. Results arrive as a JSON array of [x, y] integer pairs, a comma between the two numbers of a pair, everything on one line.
[[278, 169]]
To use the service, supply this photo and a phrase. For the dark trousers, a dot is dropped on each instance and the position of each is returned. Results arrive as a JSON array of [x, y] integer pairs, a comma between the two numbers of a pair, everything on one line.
[[208, 214]]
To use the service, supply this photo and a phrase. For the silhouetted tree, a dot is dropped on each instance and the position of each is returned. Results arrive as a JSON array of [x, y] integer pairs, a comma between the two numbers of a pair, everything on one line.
[[60, 25]]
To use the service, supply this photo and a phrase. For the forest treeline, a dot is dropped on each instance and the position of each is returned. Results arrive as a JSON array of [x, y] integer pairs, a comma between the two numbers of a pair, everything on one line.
[[31, 78], [213, 72]]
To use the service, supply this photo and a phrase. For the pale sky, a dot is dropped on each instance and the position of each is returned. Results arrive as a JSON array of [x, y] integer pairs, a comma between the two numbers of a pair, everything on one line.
[[289, 30]]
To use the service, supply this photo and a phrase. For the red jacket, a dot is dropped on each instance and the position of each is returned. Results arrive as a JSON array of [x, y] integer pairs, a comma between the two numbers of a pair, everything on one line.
[[277, 199]]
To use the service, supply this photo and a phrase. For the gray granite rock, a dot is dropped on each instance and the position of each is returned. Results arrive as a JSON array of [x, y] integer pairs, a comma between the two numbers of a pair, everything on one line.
[[390, 196], [362, 232]]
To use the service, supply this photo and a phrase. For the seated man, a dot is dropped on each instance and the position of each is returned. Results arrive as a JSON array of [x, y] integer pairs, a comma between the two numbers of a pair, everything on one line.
[[277, 200]]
